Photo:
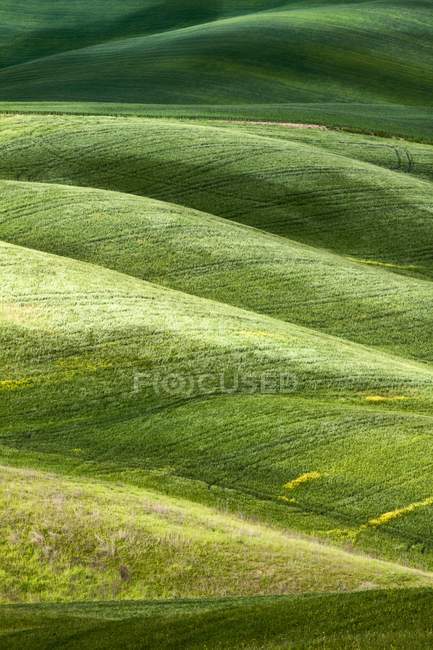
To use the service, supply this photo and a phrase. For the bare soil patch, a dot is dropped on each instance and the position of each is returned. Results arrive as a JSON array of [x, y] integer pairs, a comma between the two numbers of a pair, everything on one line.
[[288, 125]]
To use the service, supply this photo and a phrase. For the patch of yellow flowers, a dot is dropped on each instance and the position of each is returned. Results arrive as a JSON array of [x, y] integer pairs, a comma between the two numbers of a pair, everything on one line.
[[14, 384], [303, 478], [375, 522], [399, 512], [385, 398]]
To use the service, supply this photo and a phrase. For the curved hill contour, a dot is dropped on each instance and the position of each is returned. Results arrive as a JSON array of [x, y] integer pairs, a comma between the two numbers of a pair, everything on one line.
[[365, 51], [89, 356], [216, 307], [215, 258], [289, 188]]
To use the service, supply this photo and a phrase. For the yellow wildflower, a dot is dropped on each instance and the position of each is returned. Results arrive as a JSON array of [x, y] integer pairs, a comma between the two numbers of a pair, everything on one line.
[[386, 517], [304, 478]]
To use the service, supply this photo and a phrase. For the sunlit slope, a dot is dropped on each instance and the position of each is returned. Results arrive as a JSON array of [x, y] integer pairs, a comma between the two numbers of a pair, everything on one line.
[[214, 258], [309, 52], [413, 122], [289, 188], [376, 620], [56, 308], [86, 540], [391, 153], [112, 374]]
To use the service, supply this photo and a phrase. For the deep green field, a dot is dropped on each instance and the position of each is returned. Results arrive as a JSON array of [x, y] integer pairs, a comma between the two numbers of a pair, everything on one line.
[[284, 356], [409, 122], [168, 52], [220, 332], [216, 314], [32, 29], [375, 620]]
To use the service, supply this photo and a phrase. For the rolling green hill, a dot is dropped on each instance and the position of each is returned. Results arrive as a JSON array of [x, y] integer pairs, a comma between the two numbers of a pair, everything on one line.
[[98, 286], [76, 540], [205, 255], [189, 53], [74, 337], [374, 620], [286, 187], [32, 30], [412, 122], [216, 306]]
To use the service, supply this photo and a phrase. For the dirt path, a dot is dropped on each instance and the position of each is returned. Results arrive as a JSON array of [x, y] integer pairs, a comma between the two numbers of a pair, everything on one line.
[[287, 125]]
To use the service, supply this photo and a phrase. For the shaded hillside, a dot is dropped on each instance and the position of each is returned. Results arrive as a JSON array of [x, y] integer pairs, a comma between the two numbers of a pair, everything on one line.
[[363, 51]]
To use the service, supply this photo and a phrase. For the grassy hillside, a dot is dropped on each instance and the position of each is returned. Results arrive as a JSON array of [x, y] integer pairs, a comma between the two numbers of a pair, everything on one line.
[[403, 121], [359, 51], [395, 154], [216, 306], [209, 404], [375, 620], [201, 414], [215, 258], [410, 122], [286, 187], [32, 30], [83, 540]]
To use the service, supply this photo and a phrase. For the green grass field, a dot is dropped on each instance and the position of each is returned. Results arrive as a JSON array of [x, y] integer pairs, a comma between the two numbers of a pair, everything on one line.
[[84, 540], [378, 620], [216, 341], [349, 329], [408, 122], [122, 269], [168, 52], [216, 306]]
